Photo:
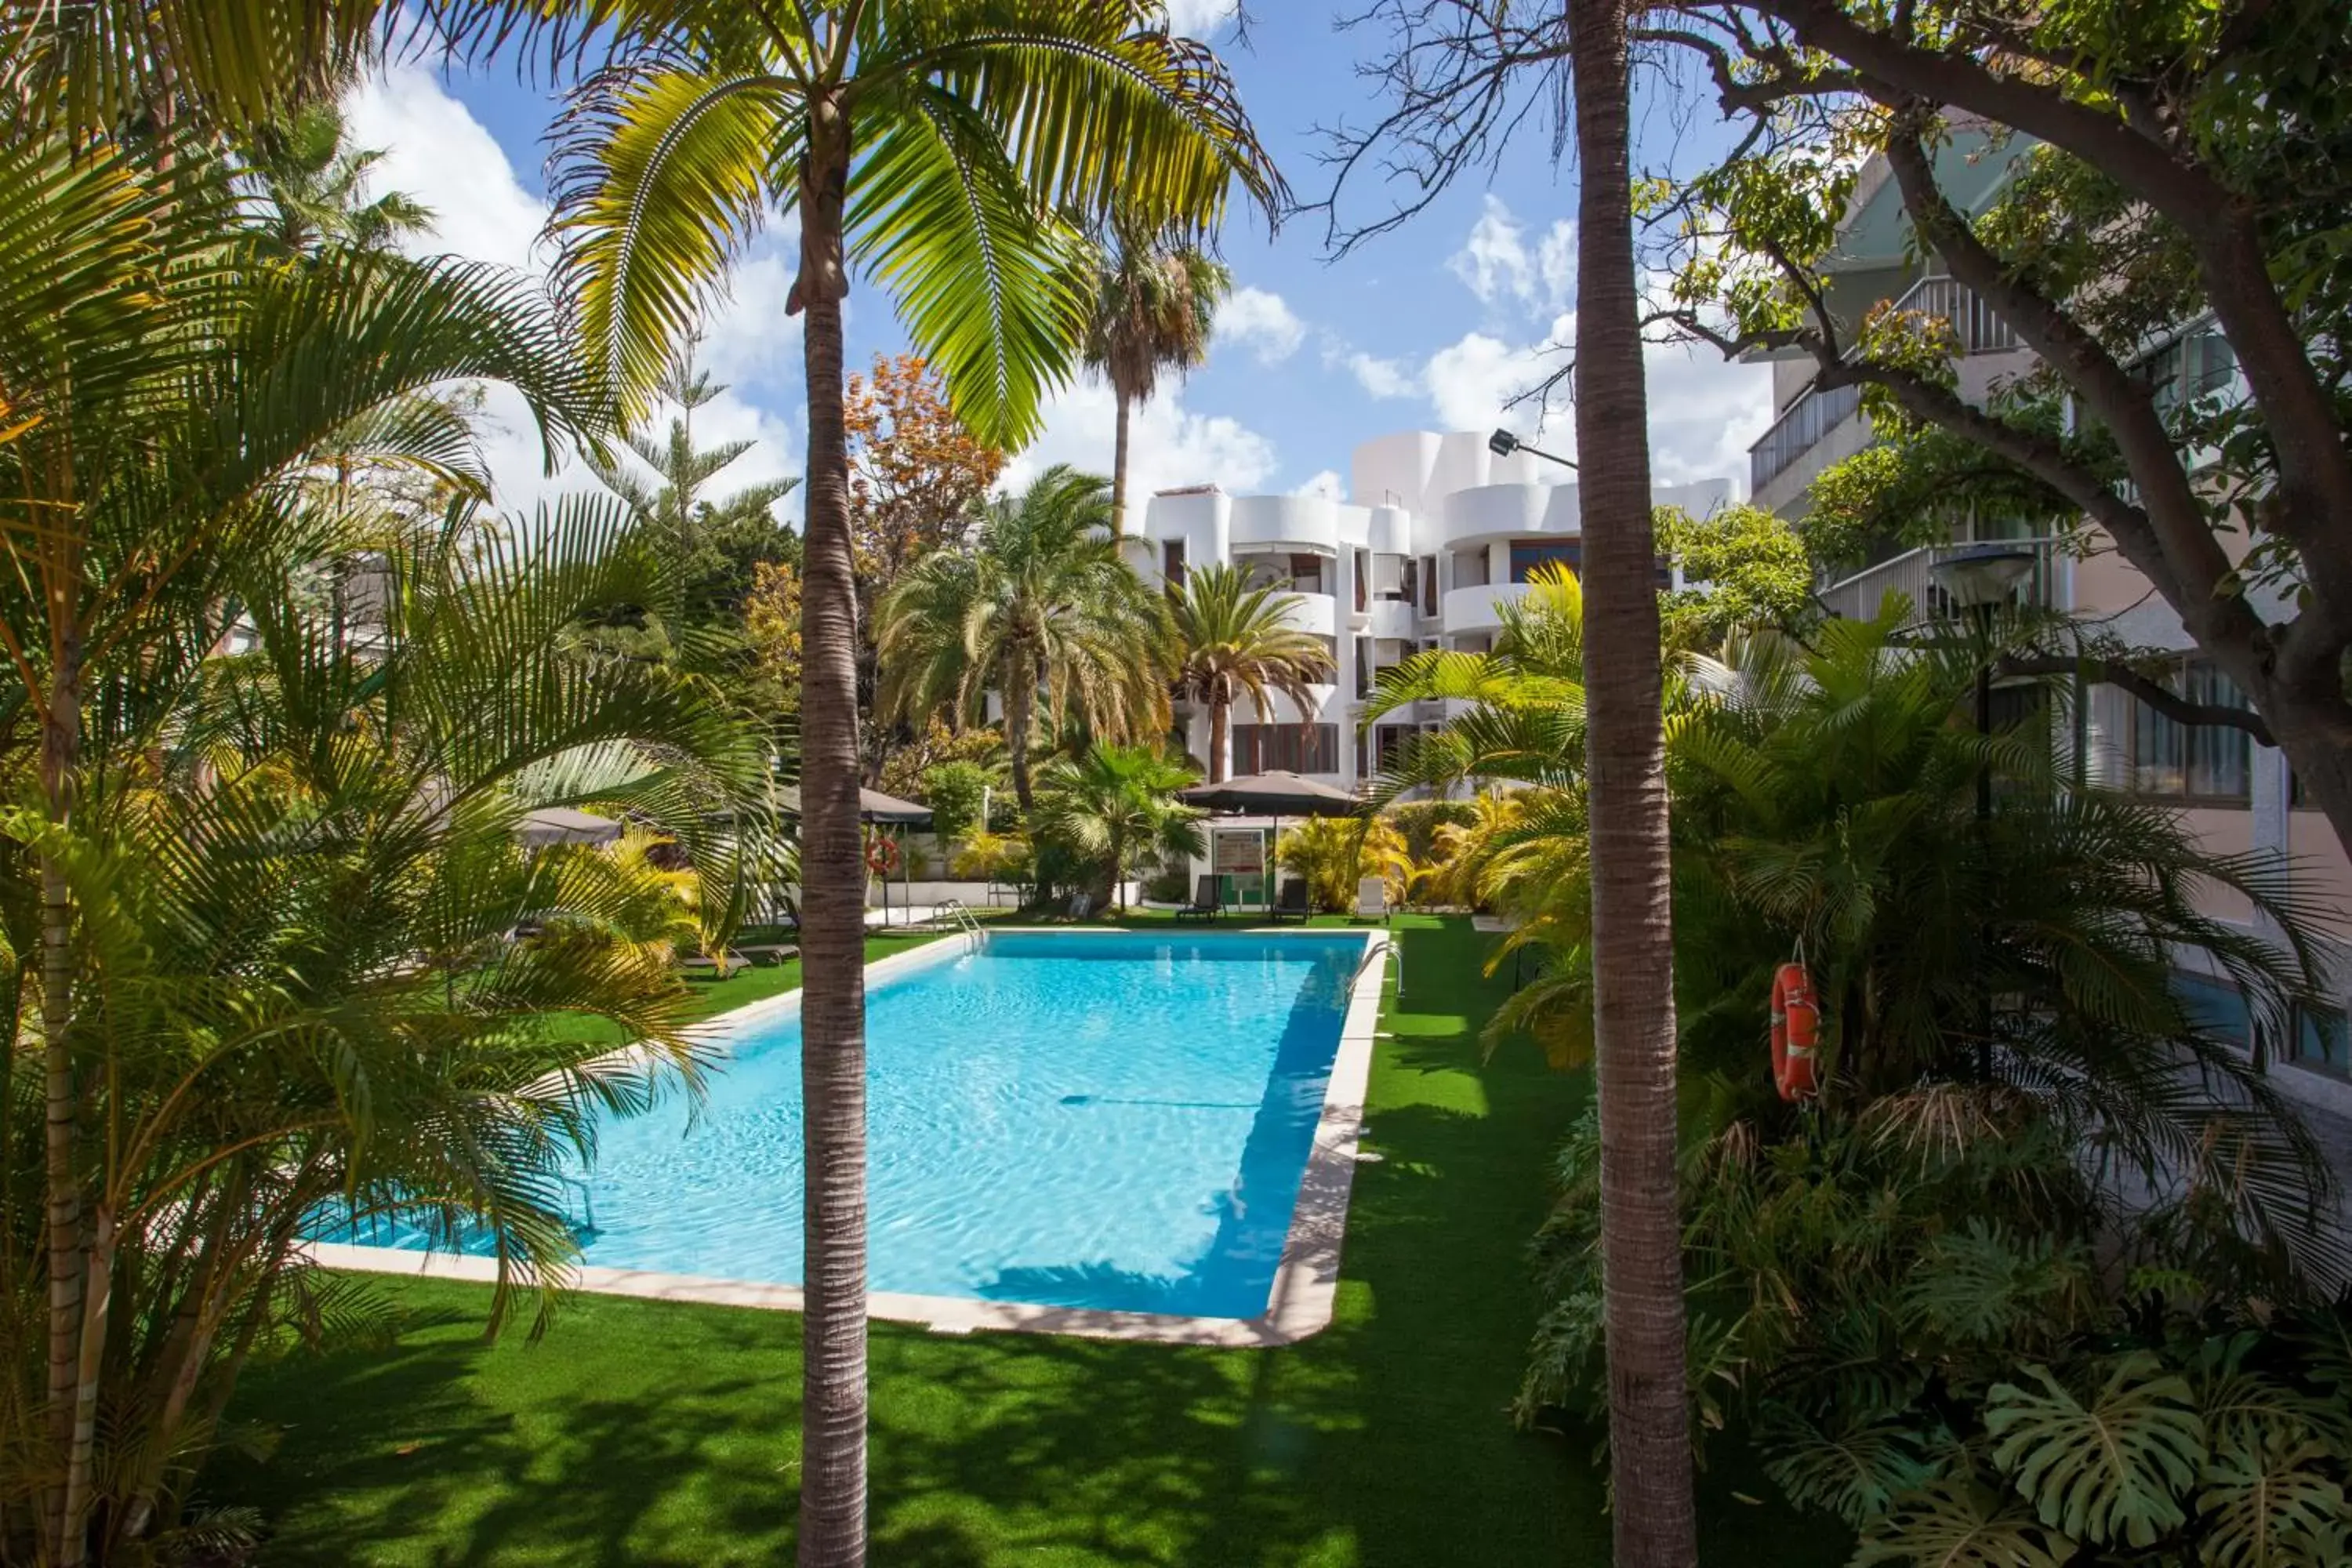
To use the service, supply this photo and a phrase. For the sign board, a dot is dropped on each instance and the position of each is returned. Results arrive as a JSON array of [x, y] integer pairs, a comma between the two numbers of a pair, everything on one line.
[[1238, 852]]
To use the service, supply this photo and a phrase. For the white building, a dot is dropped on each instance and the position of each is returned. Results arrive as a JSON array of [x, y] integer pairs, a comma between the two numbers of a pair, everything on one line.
[[1437, 531]]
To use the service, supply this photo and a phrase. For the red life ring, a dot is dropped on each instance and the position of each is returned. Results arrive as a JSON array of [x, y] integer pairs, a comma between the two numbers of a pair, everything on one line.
[[1796, 1033], [882, 854]]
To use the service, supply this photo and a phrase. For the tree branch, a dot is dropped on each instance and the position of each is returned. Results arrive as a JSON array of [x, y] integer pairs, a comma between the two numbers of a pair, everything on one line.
[[2170, 703]]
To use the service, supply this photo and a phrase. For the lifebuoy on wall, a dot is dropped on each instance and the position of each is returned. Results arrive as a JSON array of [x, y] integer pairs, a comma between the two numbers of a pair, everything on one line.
[[1796, 1033], [882, 854]]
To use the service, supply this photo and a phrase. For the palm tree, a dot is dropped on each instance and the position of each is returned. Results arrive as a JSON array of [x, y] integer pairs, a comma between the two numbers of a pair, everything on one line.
[[313, 187], [1155, 304], [934, 142], [1040, 605], [1117, 802], [1653, 1514], [1238, 642]]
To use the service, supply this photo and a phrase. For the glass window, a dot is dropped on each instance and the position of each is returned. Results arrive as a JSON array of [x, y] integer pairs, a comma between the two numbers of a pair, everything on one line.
[[1528, 554], [2193, 762], [1293, 748], [2216, 1006], [2321, 1040]]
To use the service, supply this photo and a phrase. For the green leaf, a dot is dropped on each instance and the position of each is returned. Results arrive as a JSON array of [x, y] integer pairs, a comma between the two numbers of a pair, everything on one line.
[[2272, 1509], [1855, 1470], [1961, 1524], [2111, 1470]]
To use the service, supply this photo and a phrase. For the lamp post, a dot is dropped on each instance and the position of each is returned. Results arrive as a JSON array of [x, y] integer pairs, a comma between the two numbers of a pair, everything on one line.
[[1503, 443], [1979, 579]]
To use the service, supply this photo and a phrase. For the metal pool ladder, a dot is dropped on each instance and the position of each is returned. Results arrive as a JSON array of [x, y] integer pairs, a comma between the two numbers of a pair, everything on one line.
[[965, 921], [1372, 951]]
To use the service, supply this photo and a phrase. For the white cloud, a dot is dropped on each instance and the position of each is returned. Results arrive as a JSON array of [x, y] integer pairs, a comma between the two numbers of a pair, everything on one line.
[[1327, 485], [1473, 381], [1168, 444], [1262, 322], [1200, 18], [1497, 264], [1382, 377], [435, 150]]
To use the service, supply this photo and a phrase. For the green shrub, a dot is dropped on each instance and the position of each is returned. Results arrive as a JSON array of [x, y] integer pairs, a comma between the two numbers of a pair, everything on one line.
[[954, 791], [1419, 820]]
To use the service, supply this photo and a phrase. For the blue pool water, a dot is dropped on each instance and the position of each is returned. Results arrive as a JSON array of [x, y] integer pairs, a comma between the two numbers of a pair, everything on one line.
[[1090, 1119]]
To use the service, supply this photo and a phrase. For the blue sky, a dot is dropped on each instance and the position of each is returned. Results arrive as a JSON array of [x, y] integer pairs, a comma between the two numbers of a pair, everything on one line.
[[1435, 326]]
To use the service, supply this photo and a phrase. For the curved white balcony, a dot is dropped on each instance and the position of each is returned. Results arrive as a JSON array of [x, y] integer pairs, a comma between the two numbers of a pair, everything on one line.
[[1302, 522], [1280, 710], [1489, 512], [1393, 619], [1316, 613], [1473, 609]]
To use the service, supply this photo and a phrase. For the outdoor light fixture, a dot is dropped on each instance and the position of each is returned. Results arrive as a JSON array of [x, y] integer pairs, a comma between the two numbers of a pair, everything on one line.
[[1977, 575], [1502, 443]]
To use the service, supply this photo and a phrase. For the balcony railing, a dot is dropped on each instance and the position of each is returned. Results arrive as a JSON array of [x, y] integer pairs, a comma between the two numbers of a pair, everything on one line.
[[1975, 328], [1913, 575]]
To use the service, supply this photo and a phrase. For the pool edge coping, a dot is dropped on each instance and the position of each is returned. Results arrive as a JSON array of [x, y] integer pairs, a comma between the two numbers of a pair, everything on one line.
[[1306, 1281]]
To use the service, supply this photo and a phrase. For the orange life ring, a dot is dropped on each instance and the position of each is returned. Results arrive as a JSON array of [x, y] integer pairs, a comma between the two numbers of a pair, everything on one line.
[[1796, 1033], [882, 854]]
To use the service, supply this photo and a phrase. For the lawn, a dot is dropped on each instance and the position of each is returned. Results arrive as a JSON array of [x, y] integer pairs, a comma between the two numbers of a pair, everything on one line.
[[648, 1433]]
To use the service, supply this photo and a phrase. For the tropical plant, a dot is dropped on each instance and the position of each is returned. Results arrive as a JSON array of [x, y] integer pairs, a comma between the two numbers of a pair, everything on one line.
[[991, 857], [1154, 298], [1115, 809], [1334, 854], [1040, 603], [1236, 641], [1455, 871], [312, 187], [934, 143], [956, 794]]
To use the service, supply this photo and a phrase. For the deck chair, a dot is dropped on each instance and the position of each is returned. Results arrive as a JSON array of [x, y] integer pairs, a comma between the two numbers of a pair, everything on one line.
[[1208, 901], [1290, 903], [1081, 905], [705, 966], [1372, 900]]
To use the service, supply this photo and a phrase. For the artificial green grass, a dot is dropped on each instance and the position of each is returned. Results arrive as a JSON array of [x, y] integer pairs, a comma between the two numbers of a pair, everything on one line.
[[647, 1433]]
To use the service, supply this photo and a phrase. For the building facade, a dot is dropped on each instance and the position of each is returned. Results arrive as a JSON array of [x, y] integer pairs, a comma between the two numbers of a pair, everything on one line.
[[2237, 796], [1438, 531]]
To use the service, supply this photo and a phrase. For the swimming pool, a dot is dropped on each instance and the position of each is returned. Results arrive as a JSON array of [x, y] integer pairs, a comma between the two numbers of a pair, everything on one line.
[[1112, 1122]]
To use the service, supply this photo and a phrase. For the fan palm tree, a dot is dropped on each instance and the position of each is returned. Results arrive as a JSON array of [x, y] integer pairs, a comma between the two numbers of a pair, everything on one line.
[[1237, 641], [936, 144], [1039, 607], [1115, 804], [1653, 1514], [313, 187], [1155, 299]]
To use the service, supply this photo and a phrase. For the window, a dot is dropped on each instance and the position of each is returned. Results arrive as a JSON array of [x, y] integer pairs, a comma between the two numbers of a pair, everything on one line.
[[1361, 562], [1171, 564], [1390, 740], [2216, 1006], [1429, 584], [1293, 748], [2196, 365], [1411, 588], [1363, 759], [1470, 568], [1363, 667], [1528, 554], [2321, 1041], [1388, 576], [2199, 762]]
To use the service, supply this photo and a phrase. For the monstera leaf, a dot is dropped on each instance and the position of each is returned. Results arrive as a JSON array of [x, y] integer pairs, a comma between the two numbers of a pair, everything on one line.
[[1855, 1470], [2272, 1508], [2107, 1471], [2244, 1408], [1961, 1524]]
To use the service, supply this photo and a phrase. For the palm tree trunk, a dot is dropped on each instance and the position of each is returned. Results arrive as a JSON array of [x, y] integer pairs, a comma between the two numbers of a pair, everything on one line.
[[60, 746], [833, 916], [1118, 468], [1020, 709], [1632, 935], [1221, 731]]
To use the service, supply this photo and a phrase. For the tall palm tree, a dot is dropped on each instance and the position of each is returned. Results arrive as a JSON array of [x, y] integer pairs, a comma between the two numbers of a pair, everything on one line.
[[1655, 1522], [935, 143], [313, 186], [1039, 605], [1117, 802], [1155, 304], [1237, 641]]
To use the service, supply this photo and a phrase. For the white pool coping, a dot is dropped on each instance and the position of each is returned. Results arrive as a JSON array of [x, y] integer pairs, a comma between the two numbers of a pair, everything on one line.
[[1305, 1282]]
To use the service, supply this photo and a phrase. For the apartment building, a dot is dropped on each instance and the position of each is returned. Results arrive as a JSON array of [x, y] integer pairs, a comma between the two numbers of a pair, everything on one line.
[[2237, 795], [1439, 531]]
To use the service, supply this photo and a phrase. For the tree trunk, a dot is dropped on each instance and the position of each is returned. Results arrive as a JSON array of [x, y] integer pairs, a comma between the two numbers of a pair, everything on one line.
[[61, 748], [1118, 468], [1633, 936], [1220, 731], [833, 918], [1020, 709]]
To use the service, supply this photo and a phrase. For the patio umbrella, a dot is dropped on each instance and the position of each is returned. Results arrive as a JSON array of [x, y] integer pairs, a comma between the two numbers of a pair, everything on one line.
[[1277, 793], [875, 808], [562, 825]]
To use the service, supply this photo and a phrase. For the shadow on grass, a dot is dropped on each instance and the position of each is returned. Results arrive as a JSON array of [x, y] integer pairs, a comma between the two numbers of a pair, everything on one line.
[[646, 1433]]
